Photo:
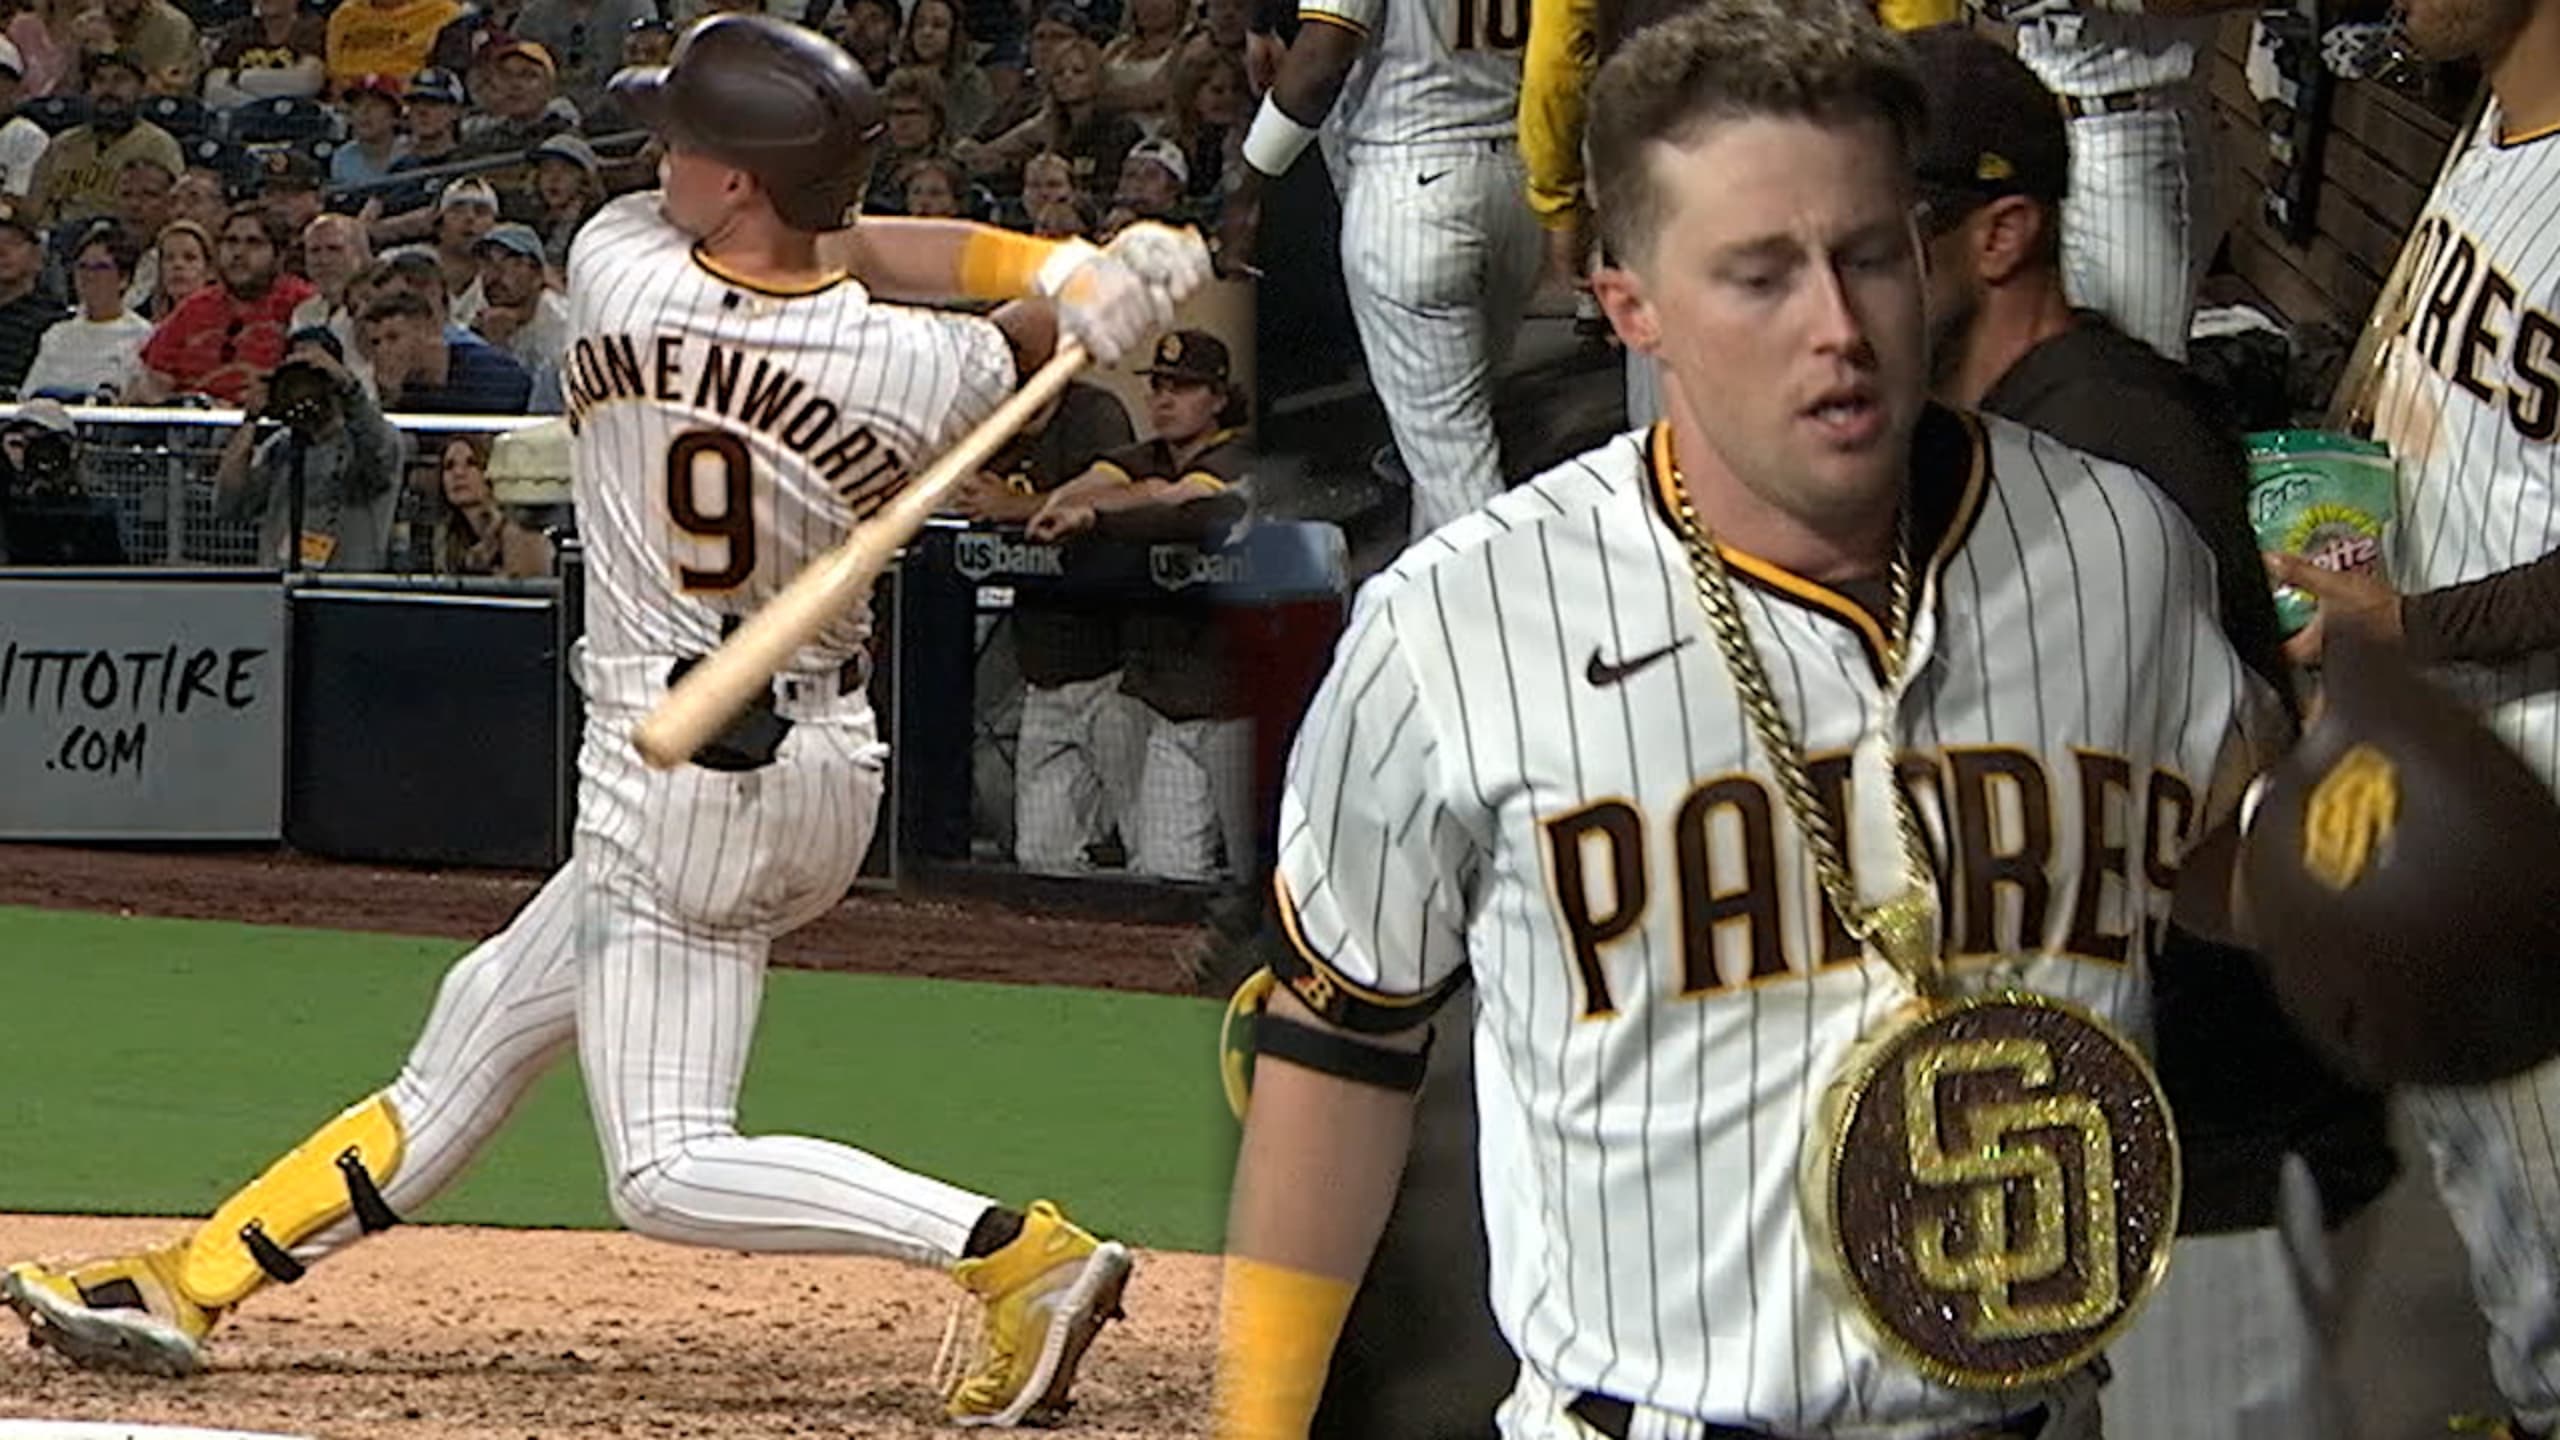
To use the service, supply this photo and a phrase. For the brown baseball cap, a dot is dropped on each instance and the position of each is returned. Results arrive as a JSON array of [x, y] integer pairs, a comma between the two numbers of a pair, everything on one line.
[[1994, 129]]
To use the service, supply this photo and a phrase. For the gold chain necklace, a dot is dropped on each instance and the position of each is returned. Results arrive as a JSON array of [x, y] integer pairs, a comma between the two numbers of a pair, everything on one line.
[[1903, 929]]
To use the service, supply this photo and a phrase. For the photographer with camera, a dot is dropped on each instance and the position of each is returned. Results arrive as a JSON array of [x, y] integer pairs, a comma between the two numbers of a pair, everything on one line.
[[47, 515], [325, 481]]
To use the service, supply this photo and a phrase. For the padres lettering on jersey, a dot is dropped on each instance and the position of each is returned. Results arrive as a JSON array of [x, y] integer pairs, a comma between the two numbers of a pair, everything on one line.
[[726, 435], [1433, 71], [1530, 762], [2470, 405]]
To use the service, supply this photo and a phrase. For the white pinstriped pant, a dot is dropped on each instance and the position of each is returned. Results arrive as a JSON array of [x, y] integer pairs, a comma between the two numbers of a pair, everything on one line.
[[648, 950], [1194, 795], [1079, 754], [2139, 222], [1439, 254], [2496, 1155]]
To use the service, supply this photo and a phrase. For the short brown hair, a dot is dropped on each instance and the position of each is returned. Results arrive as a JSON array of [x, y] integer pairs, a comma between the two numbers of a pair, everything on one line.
[[1824, 60]]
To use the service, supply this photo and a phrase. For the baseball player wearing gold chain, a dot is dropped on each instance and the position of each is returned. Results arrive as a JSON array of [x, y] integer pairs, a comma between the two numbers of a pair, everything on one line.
[[1539, 758], [736, 405]]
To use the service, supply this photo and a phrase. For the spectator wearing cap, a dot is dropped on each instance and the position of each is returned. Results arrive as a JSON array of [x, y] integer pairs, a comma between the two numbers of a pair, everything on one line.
[[292, 196], [648, 41], [1051, 29], [1152, 182], [585, 38], [179, 263], [568, 189], [1188, 481], [436, 104], [868, 31], [26, 312], [520, 104], [912, 129], [522, 315], [424, 368], [225, 338], [277, 51], [76, 179], [384, 37], [92, 355], [1137, 66], [937, 40], [468, 211], [349, 460], [374, 143], [22, 141], [159, 36], [1071, 121]]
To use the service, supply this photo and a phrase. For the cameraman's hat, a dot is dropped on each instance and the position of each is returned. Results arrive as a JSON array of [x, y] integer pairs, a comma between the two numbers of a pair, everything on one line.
[[40, 414]]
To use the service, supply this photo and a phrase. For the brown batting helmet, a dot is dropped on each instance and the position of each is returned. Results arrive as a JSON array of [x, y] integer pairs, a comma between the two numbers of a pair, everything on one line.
[[782, 103], [2401, 875]]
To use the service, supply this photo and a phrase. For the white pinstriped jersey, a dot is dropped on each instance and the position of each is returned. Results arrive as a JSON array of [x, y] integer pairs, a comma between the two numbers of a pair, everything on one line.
[[1434, 71], [1528, 760], [2081, 50], [726, 435], [2470, 405]]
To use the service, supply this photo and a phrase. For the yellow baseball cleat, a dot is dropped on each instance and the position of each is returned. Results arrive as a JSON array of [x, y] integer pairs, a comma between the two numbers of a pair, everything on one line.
[[126, 1313], [1045, 1297]]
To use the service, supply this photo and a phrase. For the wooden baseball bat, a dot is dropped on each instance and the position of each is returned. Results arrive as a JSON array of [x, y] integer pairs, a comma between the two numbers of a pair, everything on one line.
[[2359, 383], [713, 693]]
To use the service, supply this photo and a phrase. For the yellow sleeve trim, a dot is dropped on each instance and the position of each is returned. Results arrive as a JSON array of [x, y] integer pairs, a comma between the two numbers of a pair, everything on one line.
[[1105, 467], [1343, 21], [1277, 1327], [1203, 476], [1555, 76]]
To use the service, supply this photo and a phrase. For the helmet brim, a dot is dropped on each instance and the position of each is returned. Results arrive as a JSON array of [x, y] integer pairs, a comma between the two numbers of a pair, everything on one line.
[[642, 89]]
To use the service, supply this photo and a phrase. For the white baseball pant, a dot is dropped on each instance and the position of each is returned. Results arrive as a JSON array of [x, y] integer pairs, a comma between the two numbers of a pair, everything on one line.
[[1440, 252], [2138, 223], [1077, 760], [648, 950], [1195, 793], [2496, 1155]]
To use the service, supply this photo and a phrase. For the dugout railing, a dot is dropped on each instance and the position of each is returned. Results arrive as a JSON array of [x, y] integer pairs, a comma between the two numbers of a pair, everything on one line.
[[414, 718]]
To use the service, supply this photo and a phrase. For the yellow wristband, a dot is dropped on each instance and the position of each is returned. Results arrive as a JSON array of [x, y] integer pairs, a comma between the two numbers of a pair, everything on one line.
[[998, 264], [1276, 1332]]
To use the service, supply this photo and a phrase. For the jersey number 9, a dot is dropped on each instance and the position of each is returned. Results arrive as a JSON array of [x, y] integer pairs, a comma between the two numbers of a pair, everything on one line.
[[1491, 25], [731, 519]]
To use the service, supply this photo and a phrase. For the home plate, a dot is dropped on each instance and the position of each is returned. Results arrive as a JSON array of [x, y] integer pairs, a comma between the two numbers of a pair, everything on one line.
[[116, 1431], [69, 1430]]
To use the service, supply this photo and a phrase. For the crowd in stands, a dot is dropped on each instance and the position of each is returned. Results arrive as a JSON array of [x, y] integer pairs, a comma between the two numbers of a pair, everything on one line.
[[185, 188]]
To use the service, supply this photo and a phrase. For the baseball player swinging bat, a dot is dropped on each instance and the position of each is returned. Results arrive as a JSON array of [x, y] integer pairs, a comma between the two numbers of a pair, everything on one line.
[[713, 693]]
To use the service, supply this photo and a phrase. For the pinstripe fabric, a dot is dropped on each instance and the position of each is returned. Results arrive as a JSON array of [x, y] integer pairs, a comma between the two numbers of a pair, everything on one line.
[[2469, 403], [2138, 224], [1195, 795], [1081, 749], [1643, 1105], [1439, 254]]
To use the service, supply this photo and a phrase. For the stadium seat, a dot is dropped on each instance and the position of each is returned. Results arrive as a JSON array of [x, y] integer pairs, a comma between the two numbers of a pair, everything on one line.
[[183, 116], [57, 113], [282, 121]]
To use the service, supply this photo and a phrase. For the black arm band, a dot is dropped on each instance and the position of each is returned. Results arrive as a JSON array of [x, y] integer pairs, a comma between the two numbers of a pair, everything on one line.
[[1340, 1056]]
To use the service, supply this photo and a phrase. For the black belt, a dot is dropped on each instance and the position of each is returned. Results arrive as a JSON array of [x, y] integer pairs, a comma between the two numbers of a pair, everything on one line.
[[1616, 1419], [2123, 102], [751, 741]]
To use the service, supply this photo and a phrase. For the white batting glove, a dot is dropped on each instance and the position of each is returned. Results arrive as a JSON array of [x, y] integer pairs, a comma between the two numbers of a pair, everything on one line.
[[1174, 261], [1103, 304]]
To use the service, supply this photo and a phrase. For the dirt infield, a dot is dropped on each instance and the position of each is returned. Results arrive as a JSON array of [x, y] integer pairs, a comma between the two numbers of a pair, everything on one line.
[[452, 1333], [875, 933], [449, 1333]]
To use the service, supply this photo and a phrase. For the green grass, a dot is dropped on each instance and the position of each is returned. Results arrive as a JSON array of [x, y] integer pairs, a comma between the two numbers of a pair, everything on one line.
[[149, 1066]]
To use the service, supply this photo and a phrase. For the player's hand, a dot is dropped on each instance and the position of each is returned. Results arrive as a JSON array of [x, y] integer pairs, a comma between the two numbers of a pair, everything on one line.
[[1057, 522], [1238, 220], [2357, 598], [1174, 261], [982, 497], [1569, 255], [1106, 307]]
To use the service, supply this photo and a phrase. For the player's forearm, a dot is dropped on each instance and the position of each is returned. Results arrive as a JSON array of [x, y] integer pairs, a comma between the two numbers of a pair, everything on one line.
[[1314, 1182], [1312, 74], [2506, 616], [1554, 78], [1031, 328], [1139, 495]]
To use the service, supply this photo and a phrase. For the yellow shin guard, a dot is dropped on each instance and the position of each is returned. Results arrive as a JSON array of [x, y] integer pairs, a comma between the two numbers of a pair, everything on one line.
[[338, 1171]]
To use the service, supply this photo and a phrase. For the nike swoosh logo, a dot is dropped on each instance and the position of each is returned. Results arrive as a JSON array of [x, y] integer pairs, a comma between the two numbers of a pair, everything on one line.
[[1434, 176], [1602, 674]]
